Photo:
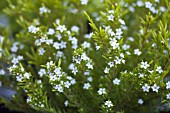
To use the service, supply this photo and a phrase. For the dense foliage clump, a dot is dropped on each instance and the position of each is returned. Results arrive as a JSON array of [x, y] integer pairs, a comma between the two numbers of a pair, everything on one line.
[[85, 56]]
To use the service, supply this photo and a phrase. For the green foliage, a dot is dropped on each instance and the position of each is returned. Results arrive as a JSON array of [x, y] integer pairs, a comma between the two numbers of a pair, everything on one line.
[[86, 56]]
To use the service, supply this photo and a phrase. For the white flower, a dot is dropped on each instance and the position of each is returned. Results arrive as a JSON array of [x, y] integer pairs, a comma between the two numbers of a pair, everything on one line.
[[87, 73], [57, 71], [148, 5], [28, 99], [119, 32], [86, 44], [141, 75], [157, 1], [27, 75], [15, 61], [111, 11], [116, 81], [106, 70], [111, 64], [163, 9], [151, 71], [67, 84], [58, 35], [57, 21], [118, 60], [139, 3], [140, 101], [88, 36], [146, 88], [2, 72], [1, 39], [131, 39], [77, 60], [128, 53], [63, 44], [110, 17], [84, 57], [44, 10], [59, 54], [155, 88], [137, 52], [71, 66], [84, 2], [111, 33], [14, 48], [90, 79], [74, 70], [20, 57], [33, 29], [159, 69], [168, 85], [101, 91], [56, 45], [132, 9], [89, 65], [49, 64], [73, 81], [122, 21], [19, 78], [168, 96], [59, 88], [125, 46], [97, 47], [50, 31], [153, 10], [61, 28], [41, 51], [86, 86], [49, 41], [108, 103], [66, 103], [75, 29], [114, 43], [122, 55], [144, 65], [42, 72]]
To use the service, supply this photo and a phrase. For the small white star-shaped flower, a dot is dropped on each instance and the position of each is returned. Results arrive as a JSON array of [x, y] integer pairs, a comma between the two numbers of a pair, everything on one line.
[[41, 51], [108, 103], [141, 75], [159, 69], [144, 65], [168, 85], [84, 2], [146, 88], [113, 43], [106, 70], [111, 64], [137, 52], [122, 21], [116, 81], [101, 91], [86, 86], [110, 17], [140, 101], [155, 88], [89, 65], [75, 29], [168, 96], [50, 31], [61, 28]]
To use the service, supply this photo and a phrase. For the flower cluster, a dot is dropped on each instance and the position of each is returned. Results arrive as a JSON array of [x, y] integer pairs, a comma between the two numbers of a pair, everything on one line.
[[66, 56], [58, 79]]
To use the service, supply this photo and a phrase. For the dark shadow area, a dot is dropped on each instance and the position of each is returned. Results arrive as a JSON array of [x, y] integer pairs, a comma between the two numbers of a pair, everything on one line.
[[3, 109]]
